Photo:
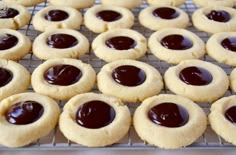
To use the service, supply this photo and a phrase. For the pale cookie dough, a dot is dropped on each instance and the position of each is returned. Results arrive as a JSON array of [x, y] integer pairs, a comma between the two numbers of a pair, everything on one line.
[[130, 4], [232, 79], [94, 137], [43, 51], [216, 50], [203, 3], [18, 18], [26, 3], [169, 137], [176, 56], [150, 21], [166, 2], [15, 135], [72, 19], [219, 122], [108, 54], [20, 46], [201, 21], [97, 25], [14, 78], [216, 88], [84, 83], [77, 4], [151, 85]]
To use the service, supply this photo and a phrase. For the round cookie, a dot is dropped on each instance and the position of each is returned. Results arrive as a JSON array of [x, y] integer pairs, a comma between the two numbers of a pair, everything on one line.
[[130, 4], [26, 3], [222, 118], [198, 80], [78, 4], [156, 18], [107, 121], [169, 121], [53, 17], [166, 2], [26, 117], [13, 44], [222, 47], [62, 79], [232, 79], [174, 45], [204, 3], [101, 18], [130, 80], [119, 44], [14, 78], [60, 43], [215, 19], [13, 16]]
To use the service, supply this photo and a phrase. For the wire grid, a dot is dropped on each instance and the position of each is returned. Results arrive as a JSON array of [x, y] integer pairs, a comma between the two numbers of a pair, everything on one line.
[[56, 141]]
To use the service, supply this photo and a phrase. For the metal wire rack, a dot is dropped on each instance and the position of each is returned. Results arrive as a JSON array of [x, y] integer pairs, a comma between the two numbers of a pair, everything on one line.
[[56, 141]]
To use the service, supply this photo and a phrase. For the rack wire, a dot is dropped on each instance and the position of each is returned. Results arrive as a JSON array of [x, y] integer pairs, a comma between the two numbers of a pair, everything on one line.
[[56, 141]]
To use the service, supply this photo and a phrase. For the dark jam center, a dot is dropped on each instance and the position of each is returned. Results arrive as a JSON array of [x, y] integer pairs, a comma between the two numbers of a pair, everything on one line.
[[176, 42], [5, 77], [7, 41], [196, 76], [8, 13], [56, 15], [61, 41], [95, 114], [62, 75], [108, 15], [121, 43], [230, 114], [169, 115], [129, 75], [165, 13], [24, 113], [219, 16], [229, 43]]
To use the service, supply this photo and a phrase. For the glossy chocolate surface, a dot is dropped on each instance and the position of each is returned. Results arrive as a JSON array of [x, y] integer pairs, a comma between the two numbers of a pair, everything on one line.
[[24, 113], [56, 15], [5, 76], [62, 41], [8, 13], [95, 114], [7, 41], [63, 75], [121, 43], [219, 16], [230, 114], [165, 13], [229, 43], [195, 76], [108, 15], [129, 75], [169, 115], [176, 42]]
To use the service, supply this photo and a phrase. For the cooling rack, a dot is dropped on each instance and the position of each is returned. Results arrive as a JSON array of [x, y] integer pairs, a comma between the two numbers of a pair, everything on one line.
[[56, 141]]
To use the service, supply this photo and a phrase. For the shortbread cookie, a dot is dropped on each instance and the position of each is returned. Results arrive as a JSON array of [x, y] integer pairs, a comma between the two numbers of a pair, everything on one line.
[[156, 18], [26, 117], [174, 45], [14, 78], [130, 4], [169, 121], [222, 47], [119, 44], [78, 4], [203, 3], [166, 2], [223, 119], [130, 80], [25, 2], [232, 78], [198, 80], [62, 79], [13, 16], [13, 44], [215, 19], [101, 18], [53, 17], [94, 120], [60, 43]]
